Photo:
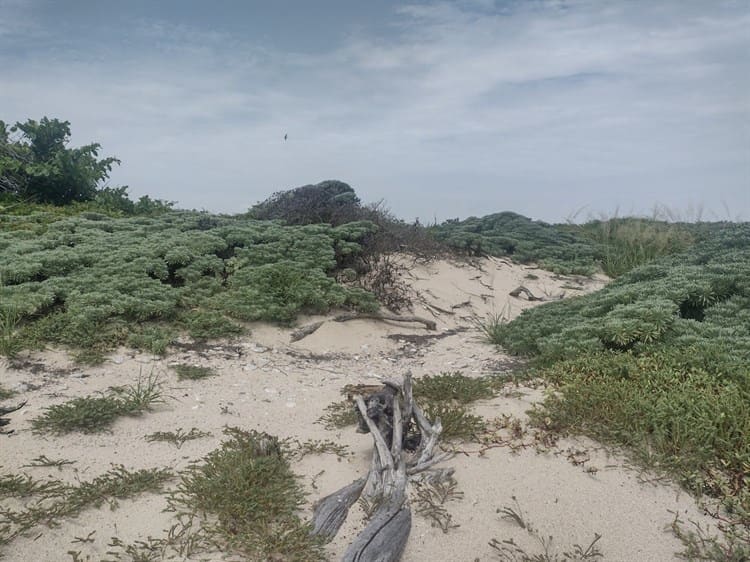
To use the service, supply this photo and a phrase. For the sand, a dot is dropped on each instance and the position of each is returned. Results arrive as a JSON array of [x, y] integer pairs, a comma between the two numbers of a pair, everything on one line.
[[574, 490]]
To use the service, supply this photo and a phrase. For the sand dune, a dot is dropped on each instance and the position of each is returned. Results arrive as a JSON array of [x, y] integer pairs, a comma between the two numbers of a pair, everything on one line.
[[571, 492]]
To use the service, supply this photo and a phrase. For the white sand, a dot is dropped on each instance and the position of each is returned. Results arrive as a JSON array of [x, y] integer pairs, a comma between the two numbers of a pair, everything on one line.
[[269, 384]]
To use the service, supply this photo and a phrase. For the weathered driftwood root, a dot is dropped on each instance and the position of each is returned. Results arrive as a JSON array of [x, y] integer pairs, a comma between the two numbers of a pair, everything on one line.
[[388, 415], [529, 295], [305, 331], [331, 511]]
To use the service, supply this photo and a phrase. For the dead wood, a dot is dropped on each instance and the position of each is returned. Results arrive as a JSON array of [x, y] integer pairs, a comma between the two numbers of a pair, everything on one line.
[[429, 324], [331, 511], [305, 331], [431, 307], [388, 414], [529, 295]]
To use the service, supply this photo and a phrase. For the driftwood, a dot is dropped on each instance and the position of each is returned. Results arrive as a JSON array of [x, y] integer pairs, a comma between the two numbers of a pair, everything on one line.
[[305, 331], [389, 415], [3, 411], [331, 511], [529, 295]]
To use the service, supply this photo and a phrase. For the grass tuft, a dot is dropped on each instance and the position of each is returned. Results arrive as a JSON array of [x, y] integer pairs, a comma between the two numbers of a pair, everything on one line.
[[626, 243], [339, 415], [42, 461], [297, 450], [492, 327], [10, 316], [5, 393], [92, 414], [700, 544], [176, 438], [509, 551], [193, 372], [431, 492]]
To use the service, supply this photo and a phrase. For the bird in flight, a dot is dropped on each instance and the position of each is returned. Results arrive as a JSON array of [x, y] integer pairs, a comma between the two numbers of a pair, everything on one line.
[[285, 136]]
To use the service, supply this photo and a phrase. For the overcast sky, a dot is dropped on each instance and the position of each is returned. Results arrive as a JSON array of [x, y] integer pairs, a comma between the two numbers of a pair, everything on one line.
[[444, 109]]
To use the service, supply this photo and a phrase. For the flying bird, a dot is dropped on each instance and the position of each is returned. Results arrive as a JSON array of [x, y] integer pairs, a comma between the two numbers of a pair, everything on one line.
[[285, 136]]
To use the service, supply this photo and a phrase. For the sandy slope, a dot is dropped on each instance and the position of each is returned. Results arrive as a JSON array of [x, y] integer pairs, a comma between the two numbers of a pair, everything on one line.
[[267, 383]]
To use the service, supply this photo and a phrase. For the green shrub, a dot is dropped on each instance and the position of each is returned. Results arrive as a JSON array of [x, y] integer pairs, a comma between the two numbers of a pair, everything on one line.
[[671, 412], [615, 245], [555, 247], [94, 282], [36, 163], [657, 361], [452, 387], [252, 497], [193, 372], [332, 202], [626, 243], [208, 325]]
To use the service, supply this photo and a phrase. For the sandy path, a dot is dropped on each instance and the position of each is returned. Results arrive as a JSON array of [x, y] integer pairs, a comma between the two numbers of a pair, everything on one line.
[[266, 383]]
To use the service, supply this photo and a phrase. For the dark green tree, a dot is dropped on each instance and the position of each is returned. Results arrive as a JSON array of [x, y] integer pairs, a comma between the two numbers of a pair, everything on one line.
[[36, 163]]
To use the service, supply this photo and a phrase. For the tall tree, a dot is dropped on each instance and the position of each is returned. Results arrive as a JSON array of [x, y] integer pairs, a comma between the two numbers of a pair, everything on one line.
[[36, 162]]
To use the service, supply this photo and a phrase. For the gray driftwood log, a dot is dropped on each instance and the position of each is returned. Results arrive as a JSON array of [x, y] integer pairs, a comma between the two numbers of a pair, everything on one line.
[[388, 415]]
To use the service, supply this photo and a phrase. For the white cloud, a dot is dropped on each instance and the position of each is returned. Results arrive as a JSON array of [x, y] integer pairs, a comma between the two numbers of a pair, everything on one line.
[[458, 109]]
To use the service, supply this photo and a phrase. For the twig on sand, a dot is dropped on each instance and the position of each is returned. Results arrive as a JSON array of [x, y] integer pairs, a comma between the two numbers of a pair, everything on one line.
[[529, 295], [305, 331]]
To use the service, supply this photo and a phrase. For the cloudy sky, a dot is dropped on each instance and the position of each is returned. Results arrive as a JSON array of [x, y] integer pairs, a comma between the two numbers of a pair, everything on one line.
[[444, 109]]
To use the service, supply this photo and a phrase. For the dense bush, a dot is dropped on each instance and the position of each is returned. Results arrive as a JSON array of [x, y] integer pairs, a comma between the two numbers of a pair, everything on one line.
[[683, 298], [36, 163], [92, 281], [625, 243], [374, 270], [509, 234], [614, 245], [333, 202]]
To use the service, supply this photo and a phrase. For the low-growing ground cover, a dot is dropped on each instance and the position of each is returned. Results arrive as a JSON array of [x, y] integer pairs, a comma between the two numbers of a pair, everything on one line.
[[509, 234], [280, 388], [50, 501], [92, 282], [658, 361], [614, 245], [248, 488], [95, 413]]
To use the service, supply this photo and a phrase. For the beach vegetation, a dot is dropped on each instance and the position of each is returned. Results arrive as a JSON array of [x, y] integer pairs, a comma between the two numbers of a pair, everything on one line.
[[243, 498], [92, 282], [96, 413], [657, 362], [48, 502]]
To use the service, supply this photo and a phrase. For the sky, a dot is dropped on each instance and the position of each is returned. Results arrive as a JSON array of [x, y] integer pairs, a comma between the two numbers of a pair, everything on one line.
[[555, 109]]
